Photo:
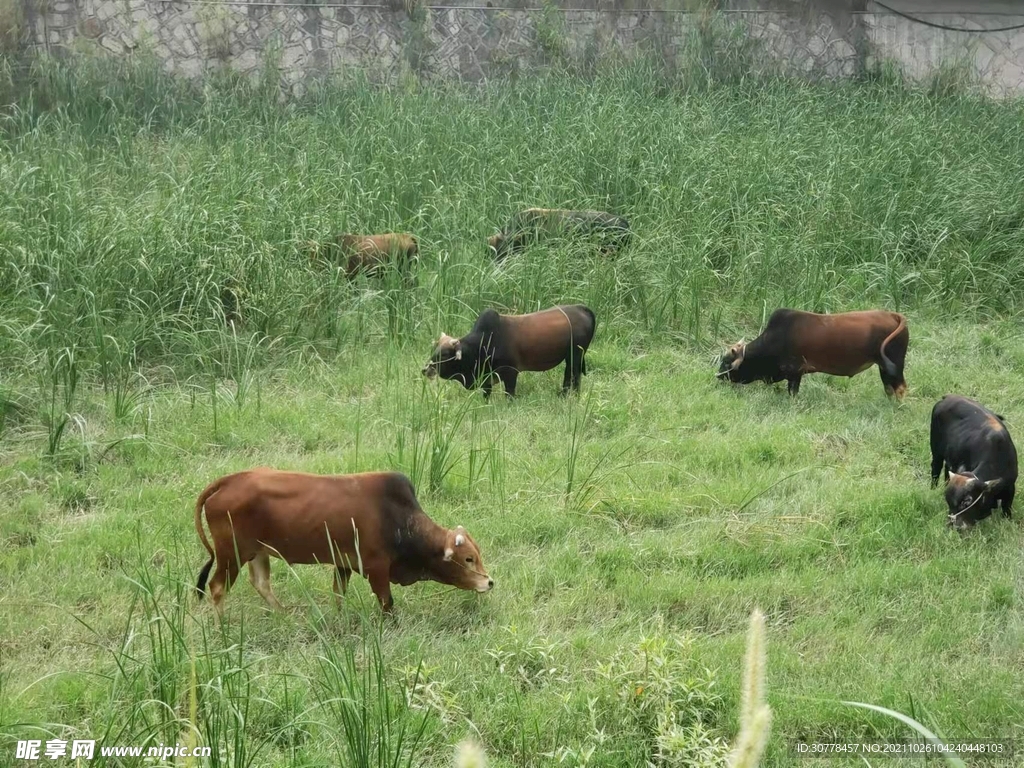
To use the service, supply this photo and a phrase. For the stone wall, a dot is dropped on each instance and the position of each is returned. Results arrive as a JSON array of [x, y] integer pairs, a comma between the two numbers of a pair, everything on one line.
[[472, 42]]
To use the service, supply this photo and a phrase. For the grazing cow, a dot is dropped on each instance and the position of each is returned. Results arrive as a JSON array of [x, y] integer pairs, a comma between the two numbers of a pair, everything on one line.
[[505, 345], [796, 343], [527, 226], [972, 447], [370, 523], [369, 253]]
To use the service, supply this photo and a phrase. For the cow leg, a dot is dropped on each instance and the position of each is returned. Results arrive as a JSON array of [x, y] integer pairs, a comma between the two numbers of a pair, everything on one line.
[[1007, 501], [937, 467], [223, 578], [259, 575], [380, 582], [894, 386], [508, 380], [896, 351], [794, 384], [573, 370]]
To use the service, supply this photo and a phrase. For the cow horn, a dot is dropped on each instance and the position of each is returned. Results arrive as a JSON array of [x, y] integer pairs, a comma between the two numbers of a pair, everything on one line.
[[449, 553], [460, 540], [993, 483], [720, 374]]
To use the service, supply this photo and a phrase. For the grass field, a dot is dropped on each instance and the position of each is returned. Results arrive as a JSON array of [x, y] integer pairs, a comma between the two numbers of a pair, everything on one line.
[[630, 530]]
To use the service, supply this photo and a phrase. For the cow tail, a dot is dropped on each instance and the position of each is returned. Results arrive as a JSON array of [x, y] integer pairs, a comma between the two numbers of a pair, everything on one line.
[[890, 367], [593, 330], [205, 572], [593, 319]]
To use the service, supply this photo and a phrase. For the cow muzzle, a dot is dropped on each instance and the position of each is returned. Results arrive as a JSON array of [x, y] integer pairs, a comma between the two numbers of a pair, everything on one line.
[[956, 522], [485, 586], [429, 371]]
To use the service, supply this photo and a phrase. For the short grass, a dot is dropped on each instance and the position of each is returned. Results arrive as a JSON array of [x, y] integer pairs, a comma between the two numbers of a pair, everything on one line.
[[630, 530]]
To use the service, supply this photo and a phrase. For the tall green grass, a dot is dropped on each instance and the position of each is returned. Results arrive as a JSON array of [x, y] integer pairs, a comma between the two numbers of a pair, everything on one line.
[[129, 200]]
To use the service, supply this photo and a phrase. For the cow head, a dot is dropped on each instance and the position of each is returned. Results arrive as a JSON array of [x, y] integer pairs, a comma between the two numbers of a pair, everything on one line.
[[969, 499], [461, 564], [450, 360], [346, 241], [732, 360]]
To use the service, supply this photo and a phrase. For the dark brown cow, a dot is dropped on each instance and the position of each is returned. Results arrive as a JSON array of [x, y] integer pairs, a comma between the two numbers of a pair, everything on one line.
[[370, 523], [972, 447], [505, 345], [611, 231], [369, 253], [795, 343]]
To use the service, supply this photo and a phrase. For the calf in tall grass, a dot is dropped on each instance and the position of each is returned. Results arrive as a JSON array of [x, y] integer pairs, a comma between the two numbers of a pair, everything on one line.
[[506, 345], [369, 254], [369, 523], [972, 447], [611, 232], [795, 343]]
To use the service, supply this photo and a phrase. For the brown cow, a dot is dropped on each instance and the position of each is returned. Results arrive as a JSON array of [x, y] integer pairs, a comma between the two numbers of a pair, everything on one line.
[[795, 343], [370, 523], [368, 253], [505, 345]]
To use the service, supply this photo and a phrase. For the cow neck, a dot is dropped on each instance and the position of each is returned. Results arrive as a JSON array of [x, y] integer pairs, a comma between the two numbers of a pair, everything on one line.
[[430, 538], [755, 346]]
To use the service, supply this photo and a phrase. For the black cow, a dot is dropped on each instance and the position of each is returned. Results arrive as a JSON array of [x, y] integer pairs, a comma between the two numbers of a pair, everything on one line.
[[505, 345], [979, 457]]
